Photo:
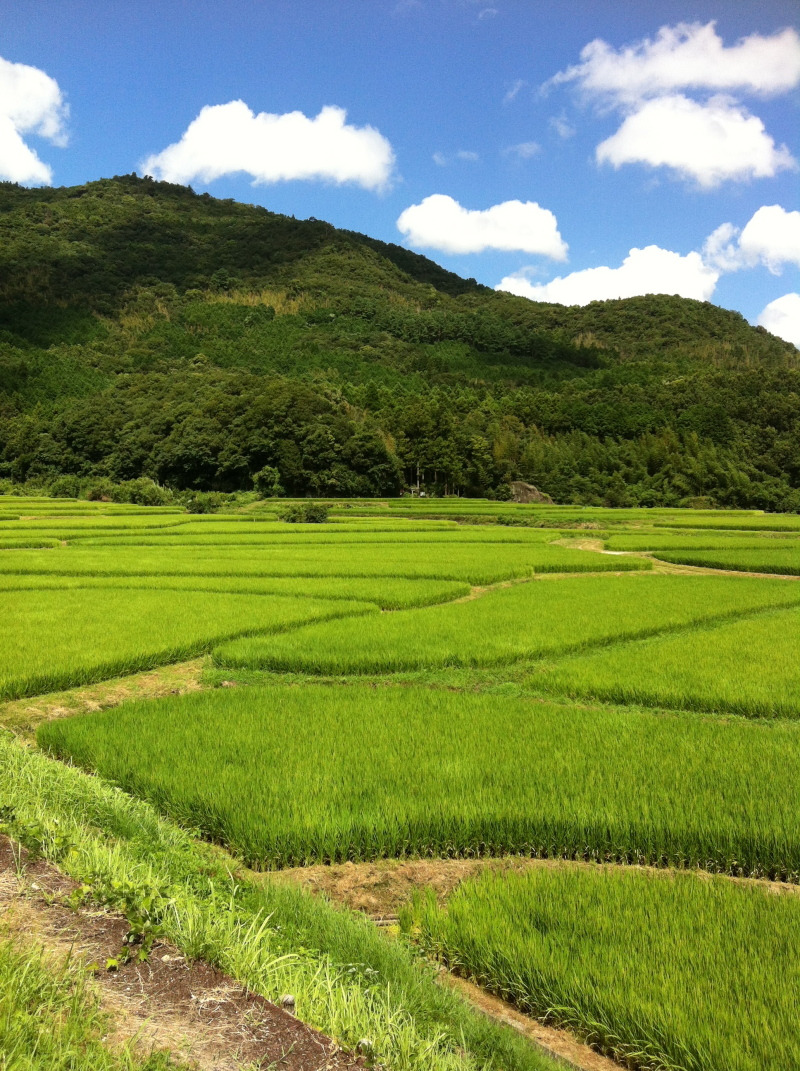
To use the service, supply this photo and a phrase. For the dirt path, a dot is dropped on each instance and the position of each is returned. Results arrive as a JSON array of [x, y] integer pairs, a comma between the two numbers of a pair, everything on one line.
[[23, 715], [192, 1009]]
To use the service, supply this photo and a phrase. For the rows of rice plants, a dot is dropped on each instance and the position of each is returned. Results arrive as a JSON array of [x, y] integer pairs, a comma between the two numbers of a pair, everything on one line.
[[524, 621], [478, 563], [67, 637], [389, 593], [699, 539], [287, 775], [783, 560], [748, 667], [670, 971], [316, 535]]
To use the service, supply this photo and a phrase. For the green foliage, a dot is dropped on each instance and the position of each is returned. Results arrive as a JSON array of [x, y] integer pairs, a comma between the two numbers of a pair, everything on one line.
[[149, 332], [686, 973], [305, 513]]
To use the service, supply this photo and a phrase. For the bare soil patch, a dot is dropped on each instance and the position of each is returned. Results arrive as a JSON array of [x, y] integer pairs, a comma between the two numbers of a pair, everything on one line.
[[191, 1008]]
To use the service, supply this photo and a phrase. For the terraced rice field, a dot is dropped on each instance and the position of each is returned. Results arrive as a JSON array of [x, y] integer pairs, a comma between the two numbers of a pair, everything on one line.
[[438, 679], [611, 950]]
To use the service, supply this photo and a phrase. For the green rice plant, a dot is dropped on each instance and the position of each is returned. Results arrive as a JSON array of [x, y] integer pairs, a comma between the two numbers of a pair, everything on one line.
[[20, 542], [784, 560], [478, 563], [669, 971], [313, 535], [523, 621], [387, 593], [63, 638], [700, 540], [748, 667], [286, 775], [753, 522], [348, 980], [50, 1018]]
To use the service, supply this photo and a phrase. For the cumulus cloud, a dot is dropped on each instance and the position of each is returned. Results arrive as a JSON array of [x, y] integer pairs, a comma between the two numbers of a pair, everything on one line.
[[706, 142], [782, 318], [228, 138], [651, 270], [687, 56], [709, 141], [770, 237], [30, 103], [439, 222]]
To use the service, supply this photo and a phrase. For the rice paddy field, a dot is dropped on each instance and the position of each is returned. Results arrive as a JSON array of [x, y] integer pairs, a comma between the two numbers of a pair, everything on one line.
[[595, 703]]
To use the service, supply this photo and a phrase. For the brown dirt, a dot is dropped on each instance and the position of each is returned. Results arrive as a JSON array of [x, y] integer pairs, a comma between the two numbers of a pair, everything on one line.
[[553, 1042], [380, 889], [23, 715], [192, 1009]]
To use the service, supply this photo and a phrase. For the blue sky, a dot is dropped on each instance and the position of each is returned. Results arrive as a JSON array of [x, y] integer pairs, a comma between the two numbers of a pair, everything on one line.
[[692, 132]]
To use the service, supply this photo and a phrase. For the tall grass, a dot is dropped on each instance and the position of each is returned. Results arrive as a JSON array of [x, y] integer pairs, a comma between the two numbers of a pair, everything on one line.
[[289, 775], [68, 637], [50, 1018], [523, 621], [669, 971], [749, 667]]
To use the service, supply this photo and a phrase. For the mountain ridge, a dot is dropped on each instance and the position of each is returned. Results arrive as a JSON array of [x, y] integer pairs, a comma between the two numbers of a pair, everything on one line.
[[142, 309]]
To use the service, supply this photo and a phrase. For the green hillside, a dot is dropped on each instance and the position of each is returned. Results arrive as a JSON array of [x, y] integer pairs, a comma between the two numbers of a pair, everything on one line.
[[147, 330]]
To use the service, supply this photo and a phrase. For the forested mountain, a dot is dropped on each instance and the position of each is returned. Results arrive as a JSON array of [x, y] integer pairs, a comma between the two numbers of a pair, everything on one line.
[[147, 330]]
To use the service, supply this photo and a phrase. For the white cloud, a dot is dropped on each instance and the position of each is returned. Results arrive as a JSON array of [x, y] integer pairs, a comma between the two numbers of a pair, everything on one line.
[[562, 126], [687, 56], [513, 90], [706, 142], [524, 150], [721, 249], [782, 318], [228, 138], [439, 222], [651, 270], [770, 237], [465, 155], [30, 103]]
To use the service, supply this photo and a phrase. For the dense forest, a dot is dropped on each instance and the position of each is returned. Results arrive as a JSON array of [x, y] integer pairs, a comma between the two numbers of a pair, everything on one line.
[[147, 331]]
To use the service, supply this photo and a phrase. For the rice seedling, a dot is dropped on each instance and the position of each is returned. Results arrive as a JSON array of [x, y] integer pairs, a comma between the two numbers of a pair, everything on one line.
[[748, 667], [523, 621], [76, 636], [660, 970], [286, 775]]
